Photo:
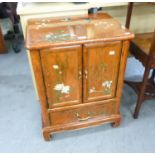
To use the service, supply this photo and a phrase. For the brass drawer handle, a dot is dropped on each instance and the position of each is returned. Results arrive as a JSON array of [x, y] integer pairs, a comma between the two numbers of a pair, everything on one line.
[[83, 119]]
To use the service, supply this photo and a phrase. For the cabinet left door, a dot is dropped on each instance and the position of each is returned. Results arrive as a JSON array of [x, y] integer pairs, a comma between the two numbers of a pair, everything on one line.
[[62, 70]]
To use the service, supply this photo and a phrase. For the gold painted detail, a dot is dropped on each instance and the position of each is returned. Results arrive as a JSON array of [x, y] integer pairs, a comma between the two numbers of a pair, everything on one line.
[[57, 37]]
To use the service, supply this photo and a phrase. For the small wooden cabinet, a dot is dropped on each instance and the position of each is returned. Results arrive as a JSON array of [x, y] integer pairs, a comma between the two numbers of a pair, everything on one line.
[[79, 65]]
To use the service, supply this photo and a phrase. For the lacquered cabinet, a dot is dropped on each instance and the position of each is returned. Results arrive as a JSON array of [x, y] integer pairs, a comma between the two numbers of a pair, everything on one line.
[[79, 70]]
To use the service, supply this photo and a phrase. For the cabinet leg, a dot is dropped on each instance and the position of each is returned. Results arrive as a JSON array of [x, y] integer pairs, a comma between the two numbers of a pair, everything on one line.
[[47, 136], [116, 123]]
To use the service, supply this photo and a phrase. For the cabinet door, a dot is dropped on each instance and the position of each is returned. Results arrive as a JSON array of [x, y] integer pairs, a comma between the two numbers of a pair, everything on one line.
[[101, 65], [62, 69]]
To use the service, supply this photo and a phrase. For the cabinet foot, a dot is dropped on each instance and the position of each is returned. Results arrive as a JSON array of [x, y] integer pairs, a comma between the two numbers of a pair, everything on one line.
[[116, 123], [47, 136]]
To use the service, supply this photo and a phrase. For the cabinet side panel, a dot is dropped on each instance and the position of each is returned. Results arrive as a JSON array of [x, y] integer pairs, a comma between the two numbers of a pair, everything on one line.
[[36, 65], [123, 62]]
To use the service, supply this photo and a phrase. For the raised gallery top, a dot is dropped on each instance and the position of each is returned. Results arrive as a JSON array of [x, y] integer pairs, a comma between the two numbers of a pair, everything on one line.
[[60, 31]]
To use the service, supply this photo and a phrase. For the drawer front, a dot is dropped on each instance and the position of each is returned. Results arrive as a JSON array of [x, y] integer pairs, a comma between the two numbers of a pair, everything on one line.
[[101, 66], [62, 70], [83, 114]]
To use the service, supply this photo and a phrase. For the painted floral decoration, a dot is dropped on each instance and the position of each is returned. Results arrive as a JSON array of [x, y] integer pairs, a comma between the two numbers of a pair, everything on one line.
[[55, 66], [107, 87], [107, 84], [106, 90], [62, 88]]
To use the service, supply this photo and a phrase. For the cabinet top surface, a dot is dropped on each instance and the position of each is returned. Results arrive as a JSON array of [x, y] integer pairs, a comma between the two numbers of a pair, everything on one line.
[[50, 32]]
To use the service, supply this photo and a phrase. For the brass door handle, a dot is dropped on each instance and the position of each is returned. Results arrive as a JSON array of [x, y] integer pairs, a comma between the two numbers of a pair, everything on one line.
[[80, 74], [86, 74], [83, 119]]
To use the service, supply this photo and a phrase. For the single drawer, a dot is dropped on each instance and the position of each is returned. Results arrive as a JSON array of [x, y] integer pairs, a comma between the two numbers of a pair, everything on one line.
[[84, 113]]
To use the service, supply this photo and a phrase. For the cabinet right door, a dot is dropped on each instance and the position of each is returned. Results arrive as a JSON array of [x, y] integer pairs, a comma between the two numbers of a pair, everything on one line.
[[101, 66]]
